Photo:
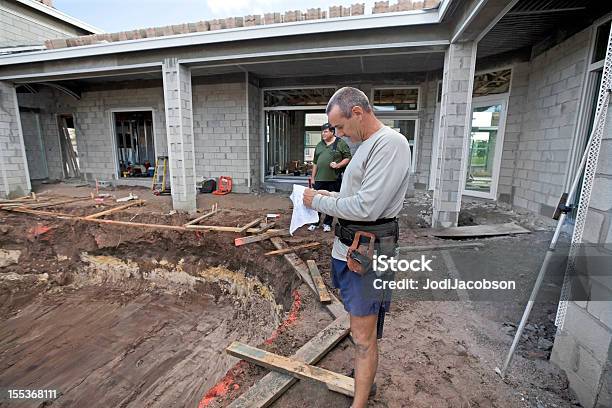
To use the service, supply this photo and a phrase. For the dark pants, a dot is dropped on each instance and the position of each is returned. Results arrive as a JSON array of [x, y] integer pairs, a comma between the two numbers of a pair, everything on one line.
[[329, 186]]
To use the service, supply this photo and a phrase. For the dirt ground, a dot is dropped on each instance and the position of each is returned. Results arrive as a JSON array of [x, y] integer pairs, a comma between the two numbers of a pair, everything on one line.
[[130, 317]]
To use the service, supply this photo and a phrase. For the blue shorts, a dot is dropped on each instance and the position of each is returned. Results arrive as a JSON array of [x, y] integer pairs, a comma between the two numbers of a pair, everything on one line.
[[357, 291]]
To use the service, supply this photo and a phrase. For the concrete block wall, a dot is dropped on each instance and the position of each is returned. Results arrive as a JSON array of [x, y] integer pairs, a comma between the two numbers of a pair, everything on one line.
[[14, 175], [549, 117], [516, 115], [21, 25], [94, 126], [583, 348], [219, 115]]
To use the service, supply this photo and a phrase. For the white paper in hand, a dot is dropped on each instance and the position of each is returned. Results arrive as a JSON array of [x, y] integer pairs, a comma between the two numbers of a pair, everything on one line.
[[302, 215]]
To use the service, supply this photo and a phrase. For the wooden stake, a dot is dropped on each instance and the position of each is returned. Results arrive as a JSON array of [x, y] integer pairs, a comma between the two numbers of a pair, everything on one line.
[[114, 209], [208, 214], [318, 281], [249, 225], [334, 381], [293, 248]]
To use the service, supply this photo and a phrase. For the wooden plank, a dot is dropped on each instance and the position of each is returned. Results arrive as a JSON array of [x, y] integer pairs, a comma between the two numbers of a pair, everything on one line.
[[245, 227], [99, 221], [264, 392], [40, 212], [293, 248], [299, 266], [266, 227], [442, 245], [296, 262], [334, 381], [257, 238], [318, 281], [208, 214], [114, 209], [476, 231], [135, 224]]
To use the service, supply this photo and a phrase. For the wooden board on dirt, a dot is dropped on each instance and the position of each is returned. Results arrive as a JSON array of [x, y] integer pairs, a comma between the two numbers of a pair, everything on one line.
[[476, 231], [212, 212], [293, 248], [334, 381], [249, 225], [335, 307], [114, 209], [257, 238], [318, 281], [264, 392]]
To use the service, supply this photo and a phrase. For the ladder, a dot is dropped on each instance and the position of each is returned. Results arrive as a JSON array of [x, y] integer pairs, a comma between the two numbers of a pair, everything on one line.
[[160, 176]]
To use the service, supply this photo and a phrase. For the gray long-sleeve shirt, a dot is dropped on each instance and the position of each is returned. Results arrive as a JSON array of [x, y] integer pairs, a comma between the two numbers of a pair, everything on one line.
[[374, 183]]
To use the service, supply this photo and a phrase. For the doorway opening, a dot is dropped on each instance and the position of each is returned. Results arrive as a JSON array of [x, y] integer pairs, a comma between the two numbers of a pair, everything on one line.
[[135, 143], [292, 130]]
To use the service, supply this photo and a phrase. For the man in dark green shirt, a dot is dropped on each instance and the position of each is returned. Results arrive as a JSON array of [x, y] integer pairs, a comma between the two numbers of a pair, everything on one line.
[[331, 156]]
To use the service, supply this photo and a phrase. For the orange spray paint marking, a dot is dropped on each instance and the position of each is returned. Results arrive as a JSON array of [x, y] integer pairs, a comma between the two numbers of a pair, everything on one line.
[[221, 388], [293, 315], [227, 382]]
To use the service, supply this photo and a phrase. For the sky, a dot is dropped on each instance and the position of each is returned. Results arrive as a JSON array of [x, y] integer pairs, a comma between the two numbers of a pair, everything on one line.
[[121, 15]]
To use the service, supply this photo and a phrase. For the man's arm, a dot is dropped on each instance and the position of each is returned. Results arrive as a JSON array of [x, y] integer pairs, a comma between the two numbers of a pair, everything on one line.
[[345, 155], [384, 174]]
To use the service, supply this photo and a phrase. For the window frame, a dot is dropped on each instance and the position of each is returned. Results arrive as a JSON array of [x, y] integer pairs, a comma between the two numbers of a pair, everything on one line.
[[399, 111]]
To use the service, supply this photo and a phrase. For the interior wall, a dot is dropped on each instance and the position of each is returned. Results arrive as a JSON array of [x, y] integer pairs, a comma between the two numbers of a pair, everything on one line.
[[94, 126], [219, 122]]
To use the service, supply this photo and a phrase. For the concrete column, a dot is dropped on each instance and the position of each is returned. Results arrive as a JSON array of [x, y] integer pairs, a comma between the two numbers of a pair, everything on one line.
[[14, 175], [179, 131], [453, 140]]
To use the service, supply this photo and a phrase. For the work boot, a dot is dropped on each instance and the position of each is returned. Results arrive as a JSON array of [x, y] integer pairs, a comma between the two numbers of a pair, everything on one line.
[[312, 227], [374, 386], [326, 228]]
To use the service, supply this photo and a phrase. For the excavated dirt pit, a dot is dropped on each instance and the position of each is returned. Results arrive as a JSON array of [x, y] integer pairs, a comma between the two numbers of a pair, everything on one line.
[[124, 316]]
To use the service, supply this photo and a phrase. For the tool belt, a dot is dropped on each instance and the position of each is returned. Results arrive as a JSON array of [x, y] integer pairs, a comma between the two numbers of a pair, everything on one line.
[[366, 238], [386, 231]]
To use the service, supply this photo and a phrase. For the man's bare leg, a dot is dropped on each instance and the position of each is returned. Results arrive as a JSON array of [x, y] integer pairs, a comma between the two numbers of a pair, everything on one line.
[[363, 331]]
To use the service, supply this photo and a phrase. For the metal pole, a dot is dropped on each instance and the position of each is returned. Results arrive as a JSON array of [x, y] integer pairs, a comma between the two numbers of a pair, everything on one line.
[[551, 250]]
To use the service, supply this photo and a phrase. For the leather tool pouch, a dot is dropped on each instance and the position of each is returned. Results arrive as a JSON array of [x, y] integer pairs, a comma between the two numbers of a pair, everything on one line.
[[385, 243]]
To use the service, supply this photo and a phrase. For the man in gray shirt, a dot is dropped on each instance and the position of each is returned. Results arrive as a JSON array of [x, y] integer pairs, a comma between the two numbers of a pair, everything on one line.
[[372, 194]]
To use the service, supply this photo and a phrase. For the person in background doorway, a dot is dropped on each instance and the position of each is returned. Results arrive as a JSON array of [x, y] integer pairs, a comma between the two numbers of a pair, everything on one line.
[[331, 156]]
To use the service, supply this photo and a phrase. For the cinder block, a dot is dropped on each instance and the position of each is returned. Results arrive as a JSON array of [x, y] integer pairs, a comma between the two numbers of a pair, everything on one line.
[[234, 22]]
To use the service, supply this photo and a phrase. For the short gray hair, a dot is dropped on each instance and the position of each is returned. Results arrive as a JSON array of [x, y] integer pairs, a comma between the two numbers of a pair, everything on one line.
[[347, 97]]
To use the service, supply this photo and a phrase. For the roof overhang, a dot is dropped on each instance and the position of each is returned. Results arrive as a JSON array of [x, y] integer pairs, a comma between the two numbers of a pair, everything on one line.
[[50, 11], [365, 22]]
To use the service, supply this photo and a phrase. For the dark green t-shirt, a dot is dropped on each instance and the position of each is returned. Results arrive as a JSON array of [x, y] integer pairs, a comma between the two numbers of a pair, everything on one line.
[[325, 154]]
